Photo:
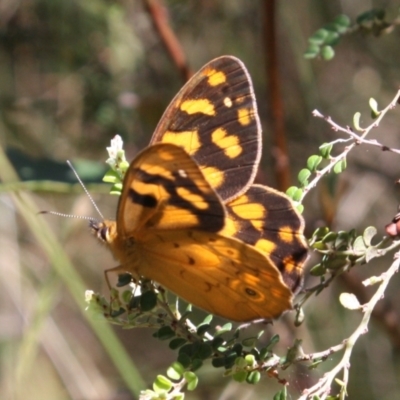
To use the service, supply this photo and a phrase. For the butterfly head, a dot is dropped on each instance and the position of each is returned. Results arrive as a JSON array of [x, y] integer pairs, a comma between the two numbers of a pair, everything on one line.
[[105, 231]]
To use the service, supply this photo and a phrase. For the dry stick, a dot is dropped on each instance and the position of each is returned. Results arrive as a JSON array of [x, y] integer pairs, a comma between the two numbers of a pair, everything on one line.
[[280, 152], [159, 15], [323, 386]]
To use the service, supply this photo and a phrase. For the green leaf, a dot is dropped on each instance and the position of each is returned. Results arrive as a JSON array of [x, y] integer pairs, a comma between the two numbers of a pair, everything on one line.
[[124, 279], [370, 15], [116, 189], [229, 359], [327, 52], [356, 121], [343, 238], [318, 270], [325, 149], [342, 22], [196, 364], [371, 253], [313, 162], [332, 38], [189, 349], [321, 232], [368, 234], [217, 342], [319, 245], [202, 329], [349, 301], [184, 359], [300, 317], [204, 351], [340, 166], [192, 379], [148, 300], [300, 208], [126, 296], [318, 37], [336, 262], [329, 237], [373, 104], [218, 362], [207, 320], [111, 176], [237, 348], [253, 377], [312, 51], [240, 376], [176, 343], [226, 328], [162, 384], [281, 395], [250, 360], [294, 193], [249, 342], [359, 245], [240, 362], [175, 371], [165, 333], [303, 176], [272, 342]]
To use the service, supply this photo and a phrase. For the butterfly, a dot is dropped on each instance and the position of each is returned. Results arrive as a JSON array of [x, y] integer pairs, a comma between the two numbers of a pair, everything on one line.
[[189, 216]]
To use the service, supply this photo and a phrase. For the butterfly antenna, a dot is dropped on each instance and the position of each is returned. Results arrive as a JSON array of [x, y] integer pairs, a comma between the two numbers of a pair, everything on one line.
[[87, 193], [68, 215]]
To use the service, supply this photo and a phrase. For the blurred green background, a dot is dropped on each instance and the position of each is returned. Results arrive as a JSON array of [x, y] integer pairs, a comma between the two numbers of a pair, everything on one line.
[[73, 74]]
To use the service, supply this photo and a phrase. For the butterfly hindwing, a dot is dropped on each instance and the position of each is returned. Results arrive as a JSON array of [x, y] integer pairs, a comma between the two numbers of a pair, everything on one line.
[[267, 219], [164, 188], [214, 118], [221, 275]]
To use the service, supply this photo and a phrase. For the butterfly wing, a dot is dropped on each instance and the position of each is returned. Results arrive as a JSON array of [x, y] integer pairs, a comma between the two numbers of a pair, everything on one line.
[[167, 223], [165, 188], [221, 275], [267, 219], [214, 118]]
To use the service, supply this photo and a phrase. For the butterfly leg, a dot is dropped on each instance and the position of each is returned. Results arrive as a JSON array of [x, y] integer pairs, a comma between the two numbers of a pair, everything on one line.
[[118, 268], [115, 304]]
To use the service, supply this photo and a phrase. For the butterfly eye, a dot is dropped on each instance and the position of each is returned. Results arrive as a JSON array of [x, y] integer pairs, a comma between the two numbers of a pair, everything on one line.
[[103, 233], [100, 230]]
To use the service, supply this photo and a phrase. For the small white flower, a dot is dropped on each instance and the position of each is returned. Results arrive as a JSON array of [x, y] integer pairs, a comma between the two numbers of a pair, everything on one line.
[[89, 294], [116, 147]]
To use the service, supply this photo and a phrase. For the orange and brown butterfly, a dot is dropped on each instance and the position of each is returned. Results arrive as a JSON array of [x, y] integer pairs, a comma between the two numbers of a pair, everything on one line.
[[189, 216]]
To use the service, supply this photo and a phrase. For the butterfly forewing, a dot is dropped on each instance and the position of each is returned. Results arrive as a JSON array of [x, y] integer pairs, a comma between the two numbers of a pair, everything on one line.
[[165, 189], [221, 275], [214, 118], [266, 219]]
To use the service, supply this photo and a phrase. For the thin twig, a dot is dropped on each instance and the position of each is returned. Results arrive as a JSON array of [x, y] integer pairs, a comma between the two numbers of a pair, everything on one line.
[[360, 139], [323, 386]]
